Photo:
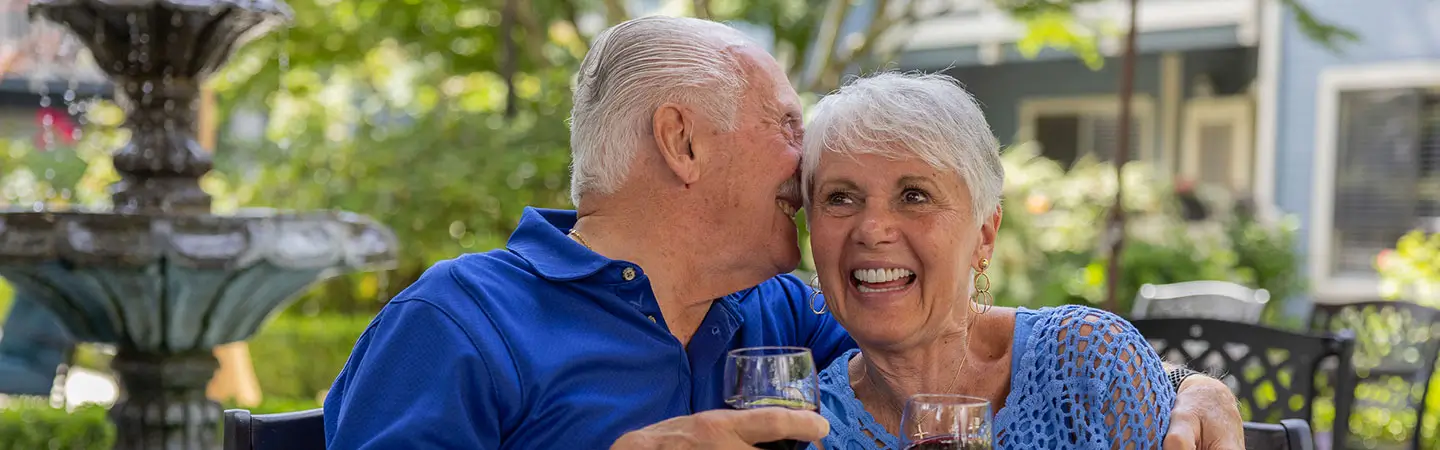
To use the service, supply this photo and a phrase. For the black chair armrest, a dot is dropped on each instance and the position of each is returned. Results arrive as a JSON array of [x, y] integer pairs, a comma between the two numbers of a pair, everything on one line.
[[291, 430], [1289, 434], [1301, 438], [237, 430]]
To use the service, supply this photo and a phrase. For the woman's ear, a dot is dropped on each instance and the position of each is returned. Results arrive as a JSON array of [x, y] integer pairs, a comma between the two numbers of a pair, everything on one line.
[[988, 231]]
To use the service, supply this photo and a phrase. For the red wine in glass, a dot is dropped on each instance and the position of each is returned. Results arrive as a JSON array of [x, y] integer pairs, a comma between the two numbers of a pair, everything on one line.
[[781, 445], [946, 422], [772, 377], [788, 444], [947, 443]]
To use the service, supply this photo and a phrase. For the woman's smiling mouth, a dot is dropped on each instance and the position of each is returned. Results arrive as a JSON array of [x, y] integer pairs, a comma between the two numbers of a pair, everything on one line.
[[881, 280]]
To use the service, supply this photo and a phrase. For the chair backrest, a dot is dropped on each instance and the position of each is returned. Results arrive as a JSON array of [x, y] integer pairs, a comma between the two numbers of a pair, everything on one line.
[[300, 430], [1396, 348], [1289, 434], [1271, 371], [1221, 300]]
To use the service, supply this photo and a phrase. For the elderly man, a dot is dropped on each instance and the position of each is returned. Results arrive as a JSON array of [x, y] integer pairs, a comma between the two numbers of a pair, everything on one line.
[[609, 325]]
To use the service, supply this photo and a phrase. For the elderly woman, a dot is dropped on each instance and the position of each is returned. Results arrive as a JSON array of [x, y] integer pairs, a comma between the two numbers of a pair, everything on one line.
[[902, 178]]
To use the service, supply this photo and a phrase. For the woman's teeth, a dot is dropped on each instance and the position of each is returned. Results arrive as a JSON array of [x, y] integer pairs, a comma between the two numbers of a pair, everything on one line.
[[880, 275], [869, 290], [867, 277]]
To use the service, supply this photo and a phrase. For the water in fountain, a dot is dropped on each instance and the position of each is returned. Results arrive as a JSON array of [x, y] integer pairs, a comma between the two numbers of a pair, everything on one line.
[[159, 275]]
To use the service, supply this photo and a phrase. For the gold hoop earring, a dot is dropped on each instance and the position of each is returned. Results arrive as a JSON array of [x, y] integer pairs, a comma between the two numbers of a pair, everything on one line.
[[815, 284], [981, 294]]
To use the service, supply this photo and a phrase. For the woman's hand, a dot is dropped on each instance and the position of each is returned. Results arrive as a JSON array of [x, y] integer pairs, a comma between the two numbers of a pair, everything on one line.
[[1206, 417]]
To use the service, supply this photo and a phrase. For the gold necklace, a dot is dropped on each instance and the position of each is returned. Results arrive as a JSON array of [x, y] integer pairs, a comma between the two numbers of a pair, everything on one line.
[[965, 358], [575, 234]]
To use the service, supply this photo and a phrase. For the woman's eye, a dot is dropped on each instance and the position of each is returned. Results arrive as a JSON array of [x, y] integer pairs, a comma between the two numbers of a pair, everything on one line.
[[838, 198], [914, 196]]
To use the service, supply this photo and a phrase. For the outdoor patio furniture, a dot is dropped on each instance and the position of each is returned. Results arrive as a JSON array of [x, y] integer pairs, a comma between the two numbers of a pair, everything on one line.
[[1289, 434], [1271, 371], [1221, 300], [299, 430], [1396, 347]]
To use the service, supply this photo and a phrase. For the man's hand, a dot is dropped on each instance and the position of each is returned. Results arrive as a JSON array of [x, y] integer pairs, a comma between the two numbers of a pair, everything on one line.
[[1206, 417], [727, 429]]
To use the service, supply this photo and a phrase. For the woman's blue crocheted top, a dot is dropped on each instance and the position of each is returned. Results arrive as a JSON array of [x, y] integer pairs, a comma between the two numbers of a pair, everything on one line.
[[1080, 378]]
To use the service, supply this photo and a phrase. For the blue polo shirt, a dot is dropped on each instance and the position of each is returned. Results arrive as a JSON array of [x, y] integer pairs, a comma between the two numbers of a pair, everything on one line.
[[545, 344]]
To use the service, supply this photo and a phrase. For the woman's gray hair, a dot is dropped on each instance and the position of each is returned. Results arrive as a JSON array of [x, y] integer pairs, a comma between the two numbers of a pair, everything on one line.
[[632, 69], [897, 115]]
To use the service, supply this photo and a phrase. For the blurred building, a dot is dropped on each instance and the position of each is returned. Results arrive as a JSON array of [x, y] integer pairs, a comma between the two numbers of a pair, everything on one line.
[[1231, 93], [43, 74]]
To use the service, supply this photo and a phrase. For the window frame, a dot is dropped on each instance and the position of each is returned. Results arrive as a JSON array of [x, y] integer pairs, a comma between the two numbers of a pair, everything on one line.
[[1238, 111], [1142, 111], [1327, 287]]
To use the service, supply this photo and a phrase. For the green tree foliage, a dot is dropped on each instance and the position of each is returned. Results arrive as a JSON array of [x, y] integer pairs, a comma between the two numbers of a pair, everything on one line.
[[443, 119], [398, 110]]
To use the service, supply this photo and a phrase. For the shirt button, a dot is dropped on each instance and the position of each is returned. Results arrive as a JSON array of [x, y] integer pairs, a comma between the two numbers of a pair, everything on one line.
[[652, 319], [714, 330], [628, 273]]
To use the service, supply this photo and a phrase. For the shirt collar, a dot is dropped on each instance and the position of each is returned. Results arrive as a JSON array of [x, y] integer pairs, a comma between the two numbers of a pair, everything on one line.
[[541, 240]]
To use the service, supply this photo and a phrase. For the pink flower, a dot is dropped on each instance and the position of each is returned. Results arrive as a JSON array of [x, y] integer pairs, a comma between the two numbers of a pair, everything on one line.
[[1382, 260]]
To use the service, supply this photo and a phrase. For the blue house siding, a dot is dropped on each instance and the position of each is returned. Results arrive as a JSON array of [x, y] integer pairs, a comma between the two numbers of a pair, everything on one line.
[[1398, 30], [1000, 88]]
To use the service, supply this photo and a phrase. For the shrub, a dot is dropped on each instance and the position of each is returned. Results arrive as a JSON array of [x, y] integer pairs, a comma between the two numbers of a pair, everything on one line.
[[1411, 271], [1052, 247], [298, 357], [34, 424]]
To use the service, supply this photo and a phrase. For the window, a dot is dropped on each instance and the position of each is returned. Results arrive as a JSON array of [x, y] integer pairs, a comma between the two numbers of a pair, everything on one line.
[[1377, 170], [1068, 137], [1068, 129], [1386, 177], [1216, 145]]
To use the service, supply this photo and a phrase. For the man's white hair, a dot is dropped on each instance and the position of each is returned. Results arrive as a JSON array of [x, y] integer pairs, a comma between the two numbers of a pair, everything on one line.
[[898, 116], [632, 69]]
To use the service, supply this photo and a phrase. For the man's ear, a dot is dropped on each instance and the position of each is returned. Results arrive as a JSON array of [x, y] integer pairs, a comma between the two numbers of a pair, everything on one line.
[[673, 130]]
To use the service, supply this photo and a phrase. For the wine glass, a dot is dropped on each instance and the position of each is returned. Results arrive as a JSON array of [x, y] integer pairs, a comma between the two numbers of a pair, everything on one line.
[[946, 422], [765, 377]]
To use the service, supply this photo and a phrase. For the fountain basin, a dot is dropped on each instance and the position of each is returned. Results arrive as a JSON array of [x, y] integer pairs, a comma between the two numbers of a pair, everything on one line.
[[172, 283], [165, 289]]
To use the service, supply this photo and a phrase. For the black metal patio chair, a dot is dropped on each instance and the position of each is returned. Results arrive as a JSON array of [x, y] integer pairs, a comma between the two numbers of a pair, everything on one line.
[[1396, 348], [1289, 434], [1272, 372]]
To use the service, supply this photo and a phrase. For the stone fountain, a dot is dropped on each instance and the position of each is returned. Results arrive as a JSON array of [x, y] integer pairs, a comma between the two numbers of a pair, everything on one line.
[[158, 275]]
